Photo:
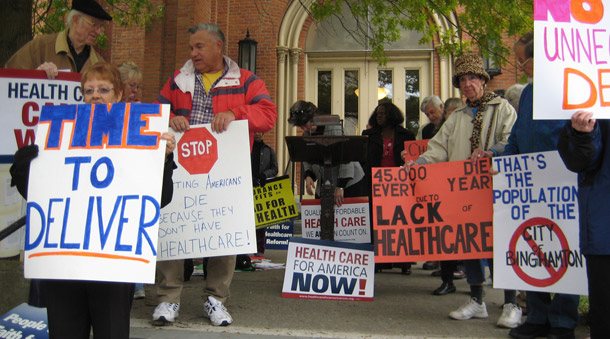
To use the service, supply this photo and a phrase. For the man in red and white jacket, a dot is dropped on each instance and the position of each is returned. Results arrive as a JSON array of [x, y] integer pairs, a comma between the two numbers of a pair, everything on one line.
[[209, 88]]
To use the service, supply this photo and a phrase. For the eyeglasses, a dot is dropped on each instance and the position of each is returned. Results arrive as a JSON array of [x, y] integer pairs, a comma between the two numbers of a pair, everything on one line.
[[96, 26], [524, 62], [101, 90]]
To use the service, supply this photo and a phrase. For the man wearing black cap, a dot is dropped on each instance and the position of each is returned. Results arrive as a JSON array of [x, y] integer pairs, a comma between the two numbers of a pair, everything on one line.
[[68, 50]]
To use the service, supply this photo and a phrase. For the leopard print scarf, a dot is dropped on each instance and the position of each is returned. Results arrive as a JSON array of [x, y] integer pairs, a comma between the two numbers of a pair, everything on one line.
[[477, 121]]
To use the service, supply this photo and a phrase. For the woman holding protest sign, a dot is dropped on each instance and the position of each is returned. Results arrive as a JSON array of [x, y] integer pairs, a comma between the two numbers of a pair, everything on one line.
[[76, 306], [476, 130]]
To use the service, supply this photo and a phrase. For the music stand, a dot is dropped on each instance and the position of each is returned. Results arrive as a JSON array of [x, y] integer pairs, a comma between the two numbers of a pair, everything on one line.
[[328, 151]]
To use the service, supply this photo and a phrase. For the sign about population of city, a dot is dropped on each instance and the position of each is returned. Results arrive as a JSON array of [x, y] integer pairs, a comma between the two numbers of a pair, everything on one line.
[[433, 212], [415, 148], [572, 49], [274, 202], [352, 222], [94, 192], [536, 225], [329, 270], [212, 210], [23, 93]]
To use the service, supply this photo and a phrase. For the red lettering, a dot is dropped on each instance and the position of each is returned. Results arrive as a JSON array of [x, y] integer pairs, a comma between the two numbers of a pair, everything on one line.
[[25, 114]]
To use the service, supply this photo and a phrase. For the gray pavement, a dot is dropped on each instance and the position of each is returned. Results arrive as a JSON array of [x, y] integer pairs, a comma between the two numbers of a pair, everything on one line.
[[403, 308]]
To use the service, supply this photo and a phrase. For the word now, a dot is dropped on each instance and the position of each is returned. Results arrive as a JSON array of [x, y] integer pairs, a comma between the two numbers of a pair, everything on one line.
[[98, 126]]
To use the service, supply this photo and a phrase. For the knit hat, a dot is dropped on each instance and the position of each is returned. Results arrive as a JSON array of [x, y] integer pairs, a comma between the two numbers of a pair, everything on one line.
[[468, 64], [92, 8]]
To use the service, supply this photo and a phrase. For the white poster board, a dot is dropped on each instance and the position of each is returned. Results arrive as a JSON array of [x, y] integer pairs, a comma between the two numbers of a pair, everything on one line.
[[572, 52], [329, 270], [212, 211], [94, 193], [352, 220], [536, 225]]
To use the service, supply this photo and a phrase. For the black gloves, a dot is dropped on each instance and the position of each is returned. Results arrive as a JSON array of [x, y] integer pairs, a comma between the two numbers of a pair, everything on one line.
[[20, 170]]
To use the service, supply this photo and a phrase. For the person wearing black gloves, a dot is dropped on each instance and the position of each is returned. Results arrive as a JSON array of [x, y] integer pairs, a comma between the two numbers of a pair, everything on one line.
[[264, 166]]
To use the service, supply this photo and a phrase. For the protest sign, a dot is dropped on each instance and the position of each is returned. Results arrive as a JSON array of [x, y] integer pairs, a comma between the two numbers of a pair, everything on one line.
[[274, 202], [536, 225], [94, 192], [23, 93], [277, 236], [329, 270], [433, 212], [415, 148], [572, 49], [212, 211], [352, 222], [24, 322]]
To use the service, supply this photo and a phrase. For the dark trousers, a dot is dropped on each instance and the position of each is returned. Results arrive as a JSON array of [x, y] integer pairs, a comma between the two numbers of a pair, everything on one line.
[[598, 274], [74, 306], [447, 269]]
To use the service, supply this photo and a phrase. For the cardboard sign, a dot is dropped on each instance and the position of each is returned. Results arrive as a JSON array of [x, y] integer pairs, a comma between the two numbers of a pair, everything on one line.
[[433, 212], [212, 211], [94, 193], [26, 322], [277, 236], [352, 222], [415, 148], [274, 202], [23, 93], [572, 49], [329, 270], [536, 225]]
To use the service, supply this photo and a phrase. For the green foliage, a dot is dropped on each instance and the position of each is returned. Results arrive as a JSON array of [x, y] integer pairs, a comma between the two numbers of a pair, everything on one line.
[[49, 15], [485, 22]]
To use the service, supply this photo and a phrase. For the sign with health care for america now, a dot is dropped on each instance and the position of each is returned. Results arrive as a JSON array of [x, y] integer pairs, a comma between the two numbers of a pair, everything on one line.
[[572, 64], [536, 225], [94, 193], [23, 93], [212, 210]]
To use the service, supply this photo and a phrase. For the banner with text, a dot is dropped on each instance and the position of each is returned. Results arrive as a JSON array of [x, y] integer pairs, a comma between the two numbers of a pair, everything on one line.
[[24, 322], [352, 222], [329, 270], [572, 49], [94, 193], [415, 148], [433, 212], [277, 236], [274, 202], [212, 212], [536, 225], [23, 93]]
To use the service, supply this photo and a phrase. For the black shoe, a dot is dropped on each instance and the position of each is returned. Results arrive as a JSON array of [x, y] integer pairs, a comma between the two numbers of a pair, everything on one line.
[[561, 333], [445, 288], [430, 265], [406, 270], [529, 331], [436, 273]]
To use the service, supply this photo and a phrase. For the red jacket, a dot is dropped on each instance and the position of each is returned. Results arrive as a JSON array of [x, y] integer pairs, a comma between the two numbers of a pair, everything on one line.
[[239, 91]]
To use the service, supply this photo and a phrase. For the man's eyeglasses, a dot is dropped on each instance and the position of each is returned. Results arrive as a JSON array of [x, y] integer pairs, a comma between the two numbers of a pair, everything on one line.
[[101, 90], [96, 26], [524, 62]]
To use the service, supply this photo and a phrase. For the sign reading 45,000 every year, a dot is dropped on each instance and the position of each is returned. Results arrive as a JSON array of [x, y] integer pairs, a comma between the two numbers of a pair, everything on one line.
[[433, 212]]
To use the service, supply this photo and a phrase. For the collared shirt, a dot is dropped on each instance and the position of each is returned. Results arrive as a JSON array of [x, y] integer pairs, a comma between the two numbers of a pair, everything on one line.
[[79, 59], [202, 111]]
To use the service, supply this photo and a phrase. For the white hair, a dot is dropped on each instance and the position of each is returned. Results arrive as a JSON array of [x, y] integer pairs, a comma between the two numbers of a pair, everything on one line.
[[513, 93], [71, 16], [434, 99]]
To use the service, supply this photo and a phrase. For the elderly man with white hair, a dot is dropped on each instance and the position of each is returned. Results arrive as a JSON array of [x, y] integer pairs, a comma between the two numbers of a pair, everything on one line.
[[69, 50], [432, 107]]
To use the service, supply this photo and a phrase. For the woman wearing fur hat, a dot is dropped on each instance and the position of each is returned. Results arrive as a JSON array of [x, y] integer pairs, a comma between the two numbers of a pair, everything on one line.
[[476, 130]]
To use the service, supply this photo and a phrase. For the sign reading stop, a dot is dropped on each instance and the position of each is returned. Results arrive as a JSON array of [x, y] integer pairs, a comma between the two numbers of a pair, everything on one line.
[[197, 150]]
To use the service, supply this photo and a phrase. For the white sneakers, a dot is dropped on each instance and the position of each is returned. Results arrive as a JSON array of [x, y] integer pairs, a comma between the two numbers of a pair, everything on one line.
[[166, 312], [216, 312], [511, 316], [471, 309]]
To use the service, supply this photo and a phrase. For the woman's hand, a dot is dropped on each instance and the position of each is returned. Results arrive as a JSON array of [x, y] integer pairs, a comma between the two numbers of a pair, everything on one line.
[[338, 196], [309, 185], [582, 121], [171, 142], [479, 153], [407, 166]]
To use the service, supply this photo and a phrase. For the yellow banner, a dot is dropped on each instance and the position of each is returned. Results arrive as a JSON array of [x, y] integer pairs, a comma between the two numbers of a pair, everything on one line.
[[274, 202]]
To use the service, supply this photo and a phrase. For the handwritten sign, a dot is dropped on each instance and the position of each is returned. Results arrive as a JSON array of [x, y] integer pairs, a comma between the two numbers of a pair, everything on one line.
[[572, 49], [274, 202], [94, 189], [23, 94], [415, 148], [329, 270], [433, 212], [536, 225], [212, 212], [352, 222]]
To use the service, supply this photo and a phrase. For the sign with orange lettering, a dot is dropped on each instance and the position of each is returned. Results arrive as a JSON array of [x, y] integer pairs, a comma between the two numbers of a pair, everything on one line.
[[572, 48], [438, 211], [415, 148]]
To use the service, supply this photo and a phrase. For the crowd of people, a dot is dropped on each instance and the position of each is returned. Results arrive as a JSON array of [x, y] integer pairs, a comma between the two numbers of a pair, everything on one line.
[[212, 88]]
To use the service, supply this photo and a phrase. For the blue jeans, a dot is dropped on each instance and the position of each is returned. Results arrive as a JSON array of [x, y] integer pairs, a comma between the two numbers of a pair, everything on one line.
[[561, 311], [475, 271]]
